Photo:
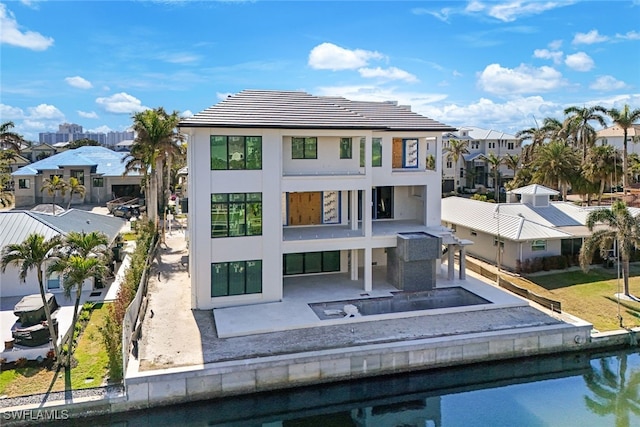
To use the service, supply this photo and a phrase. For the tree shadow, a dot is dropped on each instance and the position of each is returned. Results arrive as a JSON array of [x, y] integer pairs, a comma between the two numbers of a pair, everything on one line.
[[51, 384]]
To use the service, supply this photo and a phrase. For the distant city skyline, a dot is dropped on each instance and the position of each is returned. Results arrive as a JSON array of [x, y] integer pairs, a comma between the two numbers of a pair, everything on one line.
[[499, 64], [68, 132]]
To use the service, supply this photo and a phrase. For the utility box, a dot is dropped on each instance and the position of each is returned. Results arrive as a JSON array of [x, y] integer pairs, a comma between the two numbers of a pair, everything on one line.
[[411, 265]]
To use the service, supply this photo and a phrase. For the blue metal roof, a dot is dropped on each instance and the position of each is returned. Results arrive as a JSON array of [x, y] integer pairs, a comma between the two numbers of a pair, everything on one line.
[[104, 162]]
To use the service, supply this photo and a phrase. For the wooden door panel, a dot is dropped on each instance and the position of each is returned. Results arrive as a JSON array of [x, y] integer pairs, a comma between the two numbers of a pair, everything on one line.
[[396, 161], [304, 208]]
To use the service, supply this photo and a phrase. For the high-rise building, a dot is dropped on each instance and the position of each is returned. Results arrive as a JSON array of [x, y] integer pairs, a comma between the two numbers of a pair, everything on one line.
[[68, 132]]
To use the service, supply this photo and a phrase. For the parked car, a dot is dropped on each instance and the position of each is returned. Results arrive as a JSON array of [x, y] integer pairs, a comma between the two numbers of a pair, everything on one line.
[[127, 211]]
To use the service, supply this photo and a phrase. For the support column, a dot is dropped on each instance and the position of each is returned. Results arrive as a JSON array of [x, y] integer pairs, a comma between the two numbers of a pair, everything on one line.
[[451, 258], [353, 195], [354, 264], [463, 263], [368, 270]]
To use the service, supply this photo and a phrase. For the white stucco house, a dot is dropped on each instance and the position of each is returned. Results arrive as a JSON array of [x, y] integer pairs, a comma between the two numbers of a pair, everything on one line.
[[528, 228], [285, 183], [473, 171], [16, 225]]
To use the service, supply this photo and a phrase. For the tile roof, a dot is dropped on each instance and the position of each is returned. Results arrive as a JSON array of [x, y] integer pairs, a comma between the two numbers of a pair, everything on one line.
[[104, 161], [300, 110], [15, 226]]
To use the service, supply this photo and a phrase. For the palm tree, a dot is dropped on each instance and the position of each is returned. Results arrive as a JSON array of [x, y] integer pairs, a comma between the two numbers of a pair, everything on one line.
[[83, 257], [31, 254], [456, 150], [11, 139], [76, 270], [156, 129], [613, 393], [512, 161], [53, 186], [602, 167], [578, 127], [554, 165], [625, 120], [494, 162], [622, 230], [536, 136], [75, 187]]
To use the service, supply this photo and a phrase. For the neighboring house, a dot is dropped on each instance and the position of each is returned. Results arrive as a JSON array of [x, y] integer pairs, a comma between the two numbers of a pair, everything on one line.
[[15, 226], [124, 146], [99, 169], [38, 152], [473, 170], [531, 228], [613, 136], [287, 184]]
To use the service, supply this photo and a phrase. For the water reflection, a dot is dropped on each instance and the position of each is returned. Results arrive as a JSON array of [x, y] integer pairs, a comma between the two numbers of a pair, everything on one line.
[[571, 390], [614, 391]]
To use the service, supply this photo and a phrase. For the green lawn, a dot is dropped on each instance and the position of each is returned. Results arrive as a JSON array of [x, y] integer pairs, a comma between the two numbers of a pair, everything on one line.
[[590, 296], [90, 371]]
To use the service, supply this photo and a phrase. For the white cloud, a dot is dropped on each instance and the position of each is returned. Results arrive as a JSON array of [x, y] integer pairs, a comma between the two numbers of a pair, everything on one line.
[[589, 38], [629, 35], [607, 83], [7, 112], [555, 45], [186, 113], [579, 61], [391, 73], [416, 100], [100, 129], [328, 56], [45, 112], [121, 103], [179, 58], [11, 34], [78, 82], [512, 10], [555, 56], [523, 79], [88, 114]]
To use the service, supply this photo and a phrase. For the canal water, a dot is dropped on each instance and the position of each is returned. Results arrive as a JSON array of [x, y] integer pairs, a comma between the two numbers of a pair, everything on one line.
[[598, 389]]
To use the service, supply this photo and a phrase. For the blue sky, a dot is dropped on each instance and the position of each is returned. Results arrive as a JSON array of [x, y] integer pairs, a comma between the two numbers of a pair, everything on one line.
[[493, 64]]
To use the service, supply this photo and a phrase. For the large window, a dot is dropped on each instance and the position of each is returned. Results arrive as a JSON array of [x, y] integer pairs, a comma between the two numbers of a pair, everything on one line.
[[236, 152], [304, 148], [376, 152], [539, 245], [24, 183], [345, 148], [236, 278], [78, 174], [311, 262], [236, 214]]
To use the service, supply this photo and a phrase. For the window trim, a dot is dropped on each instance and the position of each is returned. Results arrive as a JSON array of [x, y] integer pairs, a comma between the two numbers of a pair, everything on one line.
[[304, 140], [245, 140], [245, 268], [229, 199], [537, 246], [346, 148], [24, 183]]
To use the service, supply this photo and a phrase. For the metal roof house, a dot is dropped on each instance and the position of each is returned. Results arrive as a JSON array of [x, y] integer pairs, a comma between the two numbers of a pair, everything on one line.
[[529, 228], [99, 169], [16, 225], [285, 185]]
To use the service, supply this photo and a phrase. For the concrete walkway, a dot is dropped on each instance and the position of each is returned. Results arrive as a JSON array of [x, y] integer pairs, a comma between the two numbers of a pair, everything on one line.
[[173, 335]]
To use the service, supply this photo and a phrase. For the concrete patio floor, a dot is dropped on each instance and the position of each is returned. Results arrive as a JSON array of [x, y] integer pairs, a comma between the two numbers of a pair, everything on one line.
[[177, 336]]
